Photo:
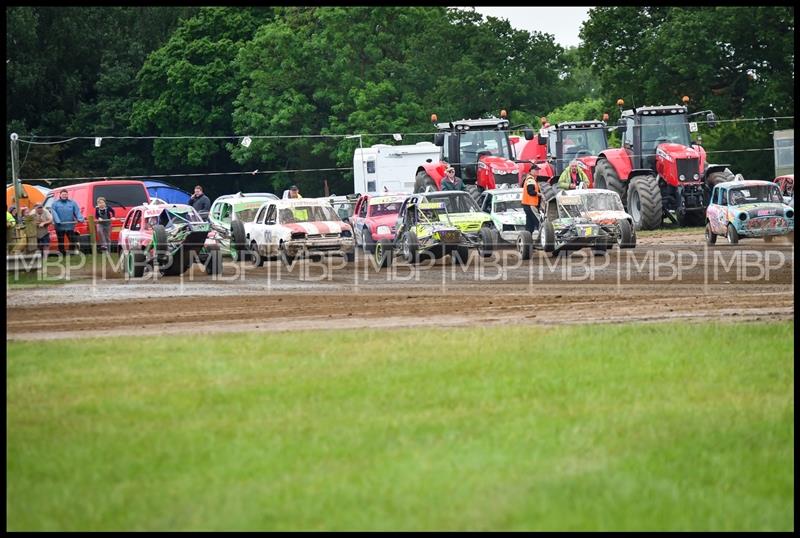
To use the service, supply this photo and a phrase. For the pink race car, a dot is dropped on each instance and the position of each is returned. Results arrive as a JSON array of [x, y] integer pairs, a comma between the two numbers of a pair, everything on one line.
[[374, 218]]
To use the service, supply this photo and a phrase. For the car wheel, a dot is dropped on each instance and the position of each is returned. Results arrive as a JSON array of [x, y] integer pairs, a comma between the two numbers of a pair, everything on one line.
[[488, 241], [238, 241], [256, 260], [366, 240], [626, 238], [214, 262], [711, 237], [460, 256], [547, 237], [733, 235], [524, 244], [383, 254], [410, 247], [286, 258]]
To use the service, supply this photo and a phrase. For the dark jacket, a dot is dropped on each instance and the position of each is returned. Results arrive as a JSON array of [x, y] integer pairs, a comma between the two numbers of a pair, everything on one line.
[[201, 203], [104, 215], [455, 185]]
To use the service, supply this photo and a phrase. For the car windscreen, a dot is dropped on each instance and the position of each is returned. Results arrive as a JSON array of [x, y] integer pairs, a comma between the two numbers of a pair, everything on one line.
[[603, 202], [309, 213], [391, 208], [755, 194], [247, 215], [570, 206], [121, 195], [457, 203], [501, 205]]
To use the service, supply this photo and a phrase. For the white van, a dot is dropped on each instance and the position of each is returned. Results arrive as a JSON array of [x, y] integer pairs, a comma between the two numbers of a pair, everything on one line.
[[385, 168]]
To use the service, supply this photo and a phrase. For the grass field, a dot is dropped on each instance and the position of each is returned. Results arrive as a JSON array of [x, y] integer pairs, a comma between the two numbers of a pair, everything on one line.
[[637, 427]]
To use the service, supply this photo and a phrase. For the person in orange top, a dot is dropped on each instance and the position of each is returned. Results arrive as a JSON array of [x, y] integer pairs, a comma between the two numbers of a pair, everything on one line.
[[531, 196]]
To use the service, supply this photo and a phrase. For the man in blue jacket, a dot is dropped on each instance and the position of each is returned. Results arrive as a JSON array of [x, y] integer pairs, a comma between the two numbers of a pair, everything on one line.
[[65, 214]]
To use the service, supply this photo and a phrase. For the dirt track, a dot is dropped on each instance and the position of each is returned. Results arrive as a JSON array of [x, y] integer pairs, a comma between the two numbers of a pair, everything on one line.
[[665, 277]]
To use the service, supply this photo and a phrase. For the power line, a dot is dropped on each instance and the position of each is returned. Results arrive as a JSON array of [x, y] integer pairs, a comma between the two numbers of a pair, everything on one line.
[[207, 174]]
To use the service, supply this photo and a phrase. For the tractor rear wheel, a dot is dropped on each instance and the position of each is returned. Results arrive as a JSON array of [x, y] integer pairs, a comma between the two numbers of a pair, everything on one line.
[[644, 202], [605, 177], [718, 177], [548, 192], [473, 191], [423, 181]]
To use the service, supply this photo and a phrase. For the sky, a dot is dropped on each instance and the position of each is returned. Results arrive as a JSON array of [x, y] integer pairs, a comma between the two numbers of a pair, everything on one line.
[[563, 22]]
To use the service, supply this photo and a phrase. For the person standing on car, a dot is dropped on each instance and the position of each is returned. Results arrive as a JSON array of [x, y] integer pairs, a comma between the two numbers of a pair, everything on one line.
[[103, 214], [200, 202], [42, 220], [450, 181], [65, 214], [571, 177], [531, 196]]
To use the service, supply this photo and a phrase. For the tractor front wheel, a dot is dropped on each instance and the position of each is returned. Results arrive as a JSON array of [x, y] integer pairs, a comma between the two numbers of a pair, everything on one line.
[[606, 177], [423, 181], [644, 203]]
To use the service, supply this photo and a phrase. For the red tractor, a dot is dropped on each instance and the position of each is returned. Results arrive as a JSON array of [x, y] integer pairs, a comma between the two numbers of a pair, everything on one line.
[[479, 150], [659, 171], [567, 141]]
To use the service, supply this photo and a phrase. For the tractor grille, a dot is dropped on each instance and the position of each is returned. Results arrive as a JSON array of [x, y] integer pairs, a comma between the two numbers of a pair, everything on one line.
[[688, 168]]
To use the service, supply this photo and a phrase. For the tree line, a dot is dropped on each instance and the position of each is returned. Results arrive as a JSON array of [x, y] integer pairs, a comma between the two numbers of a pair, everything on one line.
[[217, 71]]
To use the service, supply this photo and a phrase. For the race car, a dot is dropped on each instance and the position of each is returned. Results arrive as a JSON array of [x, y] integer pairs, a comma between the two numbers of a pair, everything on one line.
[[167, 238], [504, 206], [227, 217], [295, 227], [375, 218], [580, 218], [433, 225], [748, 209]]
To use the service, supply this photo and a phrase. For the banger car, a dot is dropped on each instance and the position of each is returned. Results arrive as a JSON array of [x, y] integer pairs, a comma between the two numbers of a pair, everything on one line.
[[227, 217], [375, 218], [462, 211], [748, 209], [169, 237], [300, 226], [504, 206], [580, 218]]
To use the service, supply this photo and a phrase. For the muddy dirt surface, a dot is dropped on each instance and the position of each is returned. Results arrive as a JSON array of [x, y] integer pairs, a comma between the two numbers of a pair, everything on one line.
[[667, 277]]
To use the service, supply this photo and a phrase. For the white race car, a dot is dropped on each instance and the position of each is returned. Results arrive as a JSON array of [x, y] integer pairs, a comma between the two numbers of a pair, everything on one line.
[[290, 228]]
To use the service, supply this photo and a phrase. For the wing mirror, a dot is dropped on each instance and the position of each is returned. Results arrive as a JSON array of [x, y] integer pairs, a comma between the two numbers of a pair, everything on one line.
[[438, 139]]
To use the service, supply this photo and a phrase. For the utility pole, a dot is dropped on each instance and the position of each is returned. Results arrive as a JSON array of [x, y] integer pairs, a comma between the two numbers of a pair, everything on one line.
[[18, 192]]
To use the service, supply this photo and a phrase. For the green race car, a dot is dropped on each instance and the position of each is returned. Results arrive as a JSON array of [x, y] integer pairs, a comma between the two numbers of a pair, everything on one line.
[[436, 224], [227, 217]]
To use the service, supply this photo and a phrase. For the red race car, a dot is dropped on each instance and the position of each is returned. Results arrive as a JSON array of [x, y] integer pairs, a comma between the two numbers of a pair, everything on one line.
[[374, 218]]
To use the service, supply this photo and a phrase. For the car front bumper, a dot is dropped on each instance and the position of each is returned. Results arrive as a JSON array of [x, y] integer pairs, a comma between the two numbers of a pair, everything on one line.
[[297, 246]]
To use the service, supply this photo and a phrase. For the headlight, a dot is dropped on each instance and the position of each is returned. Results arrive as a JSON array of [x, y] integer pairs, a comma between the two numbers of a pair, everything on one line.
[[346, 233], [298, 235], [383, 230], [696, 176], [789, 214], [682, 177], [743, 216]]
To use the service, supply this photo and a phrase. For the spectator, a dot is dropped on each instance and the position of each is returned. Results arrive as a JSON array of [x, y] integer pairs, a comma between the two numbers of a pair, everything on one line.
[[294, 192], [103, 214], [200, 202], [11, 223], [42, 219], [65, 214], [572, 176], [450, 181]]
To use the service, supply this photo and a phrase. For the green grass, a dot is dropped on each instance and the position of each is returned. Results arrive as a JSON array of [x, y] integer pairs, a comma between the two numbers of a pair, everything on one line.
[[635, 427], [56, 272]]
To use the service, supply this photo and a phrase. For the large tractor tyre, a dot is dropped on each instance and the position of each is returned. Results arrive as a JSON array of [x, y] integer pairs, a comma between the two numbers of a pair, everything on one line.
[[410, 245], [605, 177], [547, 237], [213, 262], [524, 244], [473, 191], [488, 241], [644, 203], [711, 237], [238, 241], [626, 239], [367, 242], [460, 256], [383, 254], [733, 235], [719, 176], [256, 259], [423, 181]]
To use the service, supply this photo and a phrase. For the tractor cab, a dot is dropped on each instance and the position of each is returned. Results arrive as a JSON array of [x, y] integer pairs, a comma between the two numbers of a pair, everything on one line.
[[581, 140]]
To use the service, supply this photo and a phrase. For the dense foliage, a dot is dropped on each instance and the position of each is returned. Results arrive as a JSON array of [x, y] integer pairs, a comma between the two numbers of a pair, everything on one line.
[[335, 71]]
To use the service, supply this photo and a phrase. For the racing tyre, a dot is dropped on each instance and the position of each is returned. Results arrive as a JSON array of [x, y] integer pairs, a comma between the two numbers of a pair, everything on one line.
[[547, 236], [524, 244], [644, 203], [179, 263], [488, 241], [733, 235], [718, 177], [711, 237], [160, 240], [460, 256], [238, 242], [599, 250], [383, 254], [410, 246], [350, 256], [256, 260], [213, 262], [423, 181], [626, 238], [367, 243], [284, 256], [606, 177], [134, 264]]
